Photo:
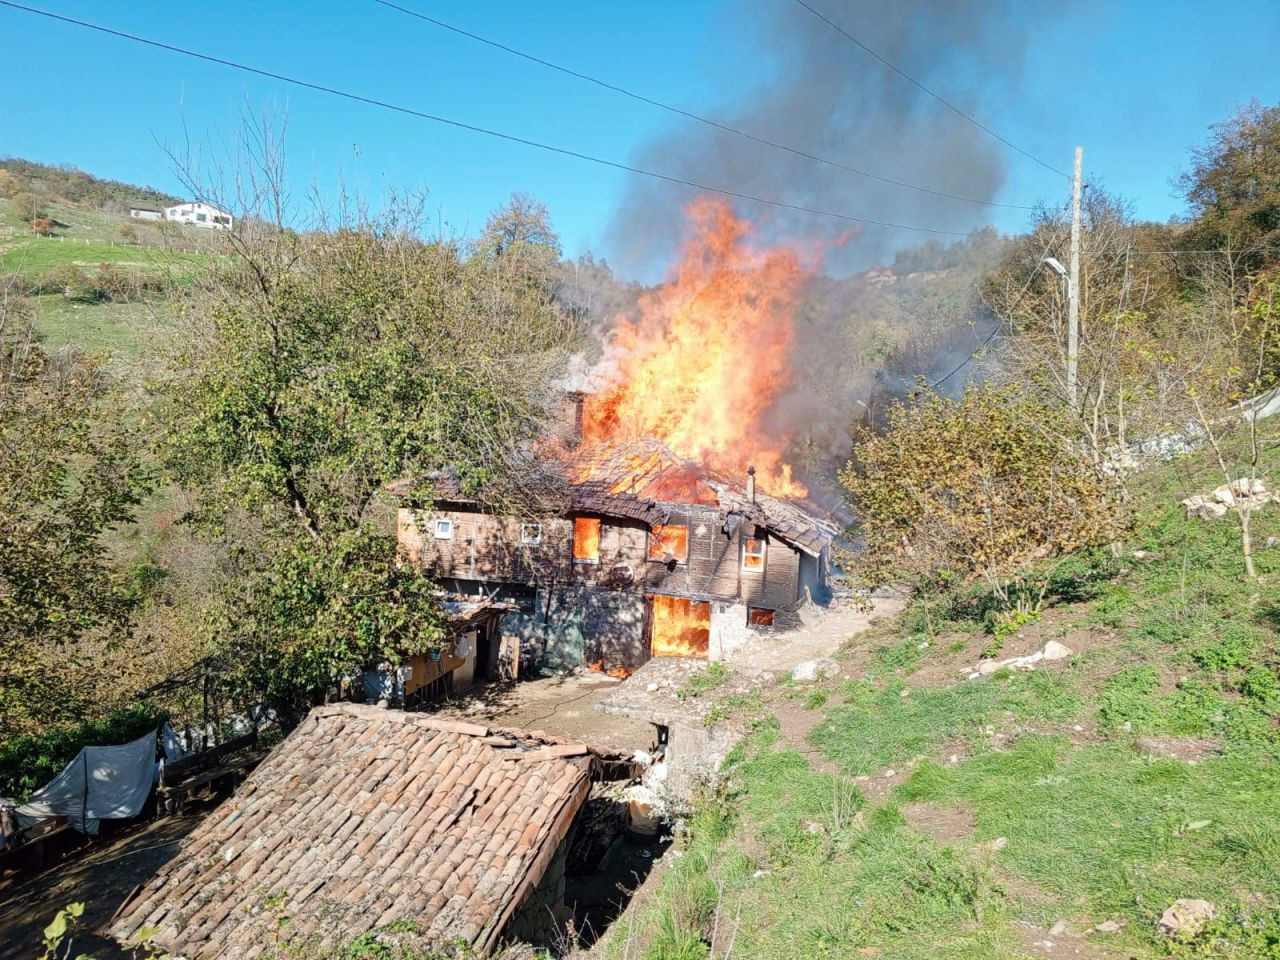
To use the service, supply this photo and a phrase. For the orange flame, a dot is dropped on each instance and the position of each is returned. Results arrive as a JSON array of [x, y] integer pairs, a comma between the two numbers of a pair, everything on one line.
[[701, 366], [599, 666], [681, 627]]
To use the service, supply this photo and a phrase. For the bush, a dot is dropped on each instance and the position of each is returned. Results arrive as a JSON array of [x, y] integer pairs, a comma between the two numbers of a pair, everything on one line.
[[985, 488], [42, 226], [127, 231], [29, 762]]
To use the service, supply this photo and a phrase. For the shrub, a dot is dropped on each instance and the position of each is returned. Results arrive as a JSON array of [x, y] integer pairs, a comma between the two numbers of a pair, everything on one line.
[[983, 488], [29, 762], [42, 226], [127, 231]]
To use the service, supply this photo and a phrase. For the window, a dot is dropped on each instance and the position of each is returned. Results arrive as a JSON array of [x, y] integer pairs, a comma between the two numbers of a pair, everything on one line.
[[530, 534], [759, 617], [753, 554], [200, 218], [586, 539], [669, 541], [443, 528]]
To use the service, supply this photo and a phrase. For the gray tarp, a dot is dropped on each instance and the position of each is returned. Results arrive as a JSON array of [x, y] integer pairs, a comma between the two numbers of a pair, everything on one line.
[[101, 783]]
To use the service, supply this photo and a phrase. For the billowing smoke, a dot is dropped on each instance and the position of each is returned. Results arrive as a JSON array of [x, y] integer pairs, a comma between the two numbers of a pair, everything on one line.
[[858, 340], [820, 93]]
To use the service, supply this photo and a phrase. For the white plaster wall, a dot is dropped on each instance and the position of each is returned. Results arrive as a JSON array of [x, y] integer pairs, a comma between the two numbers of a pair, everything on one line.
[[729, 629]]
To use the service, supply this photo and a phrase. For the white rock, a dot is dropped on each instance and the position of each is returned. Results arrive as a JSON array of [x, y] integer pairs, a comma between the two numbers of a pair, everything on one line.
[[1186, 918], [987, 667], [1058, 929], [1053, 650], [1225, 494], [810, 671], [1109, 926]]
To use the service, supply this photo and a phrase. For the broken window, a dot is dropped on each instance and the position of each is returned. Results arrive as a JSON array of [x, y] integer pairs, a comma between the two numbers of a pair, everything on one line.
[[443, 528], [669, 541], [530, 534], [759, 617], [753, 554], [586, 539]]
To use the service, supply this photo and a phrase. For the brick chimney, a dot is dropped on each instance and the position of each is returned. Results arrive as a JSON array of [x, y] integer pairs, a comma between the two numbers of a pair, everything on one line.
[[751, 484]]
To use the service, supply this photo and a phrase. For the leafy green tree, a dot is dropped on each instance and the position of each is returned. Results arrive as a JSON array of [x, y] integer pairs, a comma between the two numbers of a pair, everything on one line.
[[983, 487], [1233, 186], [68, 475], [318, 368]]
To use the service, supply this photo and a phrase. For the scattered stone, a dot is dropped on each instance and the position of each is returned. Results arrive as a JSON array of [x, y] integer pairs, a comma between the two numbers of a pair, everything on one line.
[[1143, 555], [1058, 929], [1109, 926], [987, 667], [1271, 543], [1053, 650], [761, 873], [813, 826], [1186, 918], [811, 671], [652, 687], [890, 773], [906, 692], [998, 844]]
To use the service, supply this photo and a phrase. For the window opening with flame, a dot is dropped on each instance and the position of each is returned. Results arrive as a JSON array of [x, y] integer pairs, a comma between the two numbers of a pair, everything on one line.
[[669, 541], [759, 617], [680, 627], [753, 550], [586, 539]]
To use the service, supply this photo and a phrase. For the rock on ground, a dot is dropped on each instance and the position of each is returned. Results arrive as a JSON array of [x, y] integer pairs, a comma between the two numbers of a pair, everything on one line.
[[1186, 918], [810, 671]]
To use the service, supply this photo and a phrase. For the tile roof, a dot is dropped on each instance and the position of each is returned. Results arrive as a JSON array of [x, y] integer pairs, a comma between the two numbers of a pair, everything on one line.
[[363, 817]]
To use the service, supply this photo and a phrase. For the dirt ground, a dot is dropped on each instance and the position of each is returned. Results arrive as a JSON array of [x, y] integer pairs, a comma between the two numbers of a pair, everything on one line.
[[557, 706], [100, 872]]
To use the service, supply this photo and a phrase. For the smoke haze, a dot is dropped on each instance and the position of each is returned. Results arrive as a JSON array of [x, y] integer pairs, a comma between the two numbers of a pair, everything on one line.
[[820, 93]]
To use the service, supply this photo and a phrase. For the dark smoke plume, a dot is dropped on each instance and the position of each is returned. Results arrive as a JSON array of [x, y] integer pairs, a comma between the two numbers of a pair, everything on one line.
[[820, 93]]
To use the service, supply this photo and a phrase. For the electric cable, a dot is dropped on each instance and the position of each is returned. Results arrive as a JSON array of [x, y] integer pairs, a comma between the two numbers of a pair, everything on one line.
[[689, 114]]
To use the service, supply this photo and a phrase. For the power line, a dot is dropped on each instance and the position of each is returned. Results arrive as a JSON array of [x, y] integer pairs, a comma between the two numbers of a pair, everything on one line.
[[688, 114], [462, 125], [1026, 287], [916, 83]]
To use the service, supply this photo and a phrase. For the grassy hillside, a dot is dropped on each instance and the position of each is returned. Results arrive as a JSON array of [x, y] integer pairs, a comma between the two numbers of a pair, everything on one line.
[[904, 811]]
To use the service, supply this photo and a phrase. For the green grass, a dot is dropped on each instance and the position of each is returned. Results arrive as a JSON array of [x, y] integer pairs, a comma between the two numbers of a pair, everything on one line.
[[31, 257], [799, 864], [124, 330], [877, 727]]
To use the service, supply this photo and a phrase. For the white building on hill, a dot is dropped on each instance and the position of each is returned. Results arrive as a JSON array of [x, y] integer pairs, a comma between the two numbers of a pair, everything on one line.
[[199, 214]]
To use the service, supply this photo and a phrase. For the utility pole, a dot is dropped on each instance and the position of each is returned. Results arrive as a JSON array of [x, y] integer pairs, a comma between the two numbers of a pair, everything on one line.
[[1073, 286]]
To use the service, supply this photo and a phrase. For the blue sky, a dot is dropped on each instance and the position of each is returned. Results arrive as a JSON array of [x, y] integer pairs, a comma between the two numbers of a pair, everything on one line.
[[1136, 83]]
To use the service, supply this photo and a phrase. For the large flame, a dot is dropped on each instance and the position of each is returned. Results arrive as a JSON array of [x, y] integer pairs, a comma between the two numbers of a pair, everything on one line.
[[681, 627], [702, 364]]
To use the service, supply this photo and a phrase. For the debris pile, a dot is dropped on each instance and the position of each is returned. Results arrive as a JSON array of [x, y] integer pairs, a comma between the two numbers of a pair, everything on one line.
[[1245, 493], [1053, 650]]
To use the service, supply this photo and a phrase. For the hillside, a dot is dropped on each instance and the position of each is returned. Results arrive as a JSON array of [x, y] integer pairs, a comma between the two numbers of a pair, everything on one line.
[[99, 281], [901, 810]]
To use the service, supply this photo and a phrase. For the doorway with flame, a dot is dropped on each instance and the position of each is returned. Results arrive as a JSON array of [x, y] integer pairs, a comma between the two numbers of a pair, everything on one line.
[[678, 626]]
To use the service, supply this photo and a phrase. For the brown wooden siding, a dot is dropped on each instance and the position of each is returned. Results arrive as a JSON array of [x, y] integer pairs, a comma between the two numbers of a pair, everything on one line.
[[487, 547]]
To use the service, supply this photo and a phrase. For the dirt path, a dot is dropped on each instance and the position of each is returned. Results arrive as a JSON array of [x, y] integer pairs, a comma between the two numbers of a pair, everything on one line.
[[101, 875], [558, 706]]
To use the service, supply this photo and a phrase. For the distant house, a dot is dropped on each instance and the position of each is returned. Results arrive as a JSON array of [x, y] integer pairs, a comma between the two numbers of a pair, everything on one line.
[[366, 818], [199, 214], [146, 213]]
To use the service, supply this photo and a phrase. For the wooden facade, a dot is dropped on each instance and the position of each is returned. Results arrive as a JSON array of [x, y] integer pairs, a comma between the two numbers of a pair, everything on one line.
[[471, 545]]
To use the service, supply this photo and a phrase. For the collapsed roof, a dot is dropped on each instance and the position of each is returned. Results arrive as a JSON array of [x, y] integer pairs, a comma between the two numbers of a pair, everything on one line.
[[364, 817]]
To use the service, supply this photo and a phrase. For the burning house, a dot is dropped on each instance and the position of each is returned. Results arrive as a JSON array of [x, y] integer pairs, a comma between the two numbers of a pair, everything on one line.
[[672, 524], [653, 556]]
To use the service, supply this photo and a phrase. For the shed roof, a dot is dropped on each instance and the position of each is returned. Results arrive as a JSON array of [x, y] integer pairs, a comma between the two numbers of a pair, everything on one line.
[[364, 817]]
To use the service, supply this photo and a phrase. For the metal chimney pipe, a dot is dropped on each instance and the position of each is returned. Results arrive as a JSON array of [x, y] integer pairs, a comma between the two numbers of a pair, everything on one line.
[[751, 484]]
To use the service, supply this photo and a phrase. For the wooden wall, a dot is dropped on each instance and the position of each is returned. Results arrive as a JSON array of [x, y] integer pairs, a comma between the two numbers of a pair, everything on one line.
[[487, 547]]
